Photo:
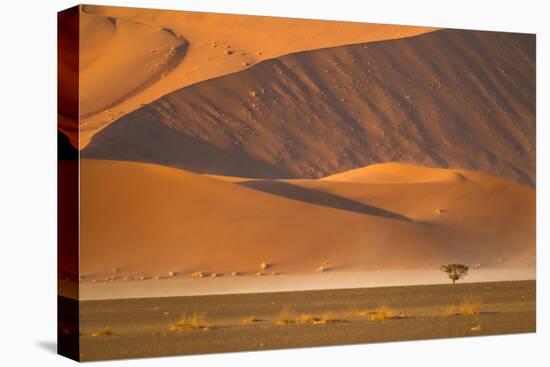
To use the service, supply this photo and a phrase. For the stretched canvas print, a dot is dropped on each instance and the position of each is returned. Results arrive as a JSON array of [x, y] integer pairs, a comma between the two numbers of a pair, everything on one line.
[[232, 182]]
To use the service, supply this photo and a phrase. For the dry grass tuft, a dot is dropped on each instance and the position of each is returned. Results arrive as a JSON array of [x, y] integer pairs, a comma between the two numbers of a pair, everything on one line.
[[306, 319], [104, 331], [309, 319], [380, 314], [288, 317], [191, 322], [467, 308], [383, 313]]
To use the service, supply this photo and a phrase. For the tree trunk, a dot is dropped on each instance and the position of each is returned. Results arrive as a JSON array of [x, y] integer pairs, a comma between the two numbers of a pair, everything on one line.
[[454, 281]]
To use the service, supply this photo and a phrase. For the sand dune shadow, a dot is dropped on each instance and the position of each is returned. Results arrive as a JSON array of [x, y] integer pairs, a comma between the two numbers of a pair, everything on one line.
[[307, 195]]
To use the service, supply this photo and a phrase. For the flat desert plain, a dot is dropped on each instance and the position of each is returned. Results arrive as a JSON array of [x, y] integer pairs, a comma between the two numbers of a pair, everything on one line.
[[132, 328]]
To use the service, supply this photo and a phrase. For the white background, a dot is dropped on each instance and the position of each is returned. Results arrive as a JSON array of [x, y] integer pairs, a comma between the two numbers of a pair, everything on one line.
[[28, 183]]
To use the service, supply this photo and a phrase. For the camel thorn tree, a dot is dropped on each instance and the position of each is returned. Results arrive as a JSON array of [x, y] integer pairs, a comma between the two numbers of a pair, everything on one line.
[[455, 271]]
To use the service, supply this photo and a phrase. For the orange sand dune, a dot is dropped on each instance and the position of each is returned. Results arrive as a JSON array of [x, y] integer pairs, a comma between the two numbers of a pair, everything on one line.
[[119, 59], [396, 173], [448, 98], [125, 74], [147, 220]]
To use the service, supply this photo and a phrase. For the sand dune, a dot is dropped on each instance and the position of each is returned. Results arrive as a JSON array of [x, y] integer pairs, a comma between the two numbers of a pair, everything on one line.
[[148, 220], [120, 72], [449, 98], [119, 59], [395, 173]]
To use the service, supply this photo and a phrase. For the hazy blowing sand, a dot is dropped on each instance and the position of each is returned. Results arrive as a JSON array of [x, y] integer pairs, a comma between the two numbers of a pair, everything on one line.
[[142, 220], [448, 98], [182, 285], [134, 56]]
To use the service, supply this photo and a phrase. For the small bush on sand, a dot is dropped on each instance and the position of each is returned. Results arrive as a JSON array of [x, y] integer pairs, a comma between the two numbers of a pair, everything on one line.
[[468, 308], [379, 314], [287, 317], [383, 313], [104, 331], [309, 319], [306, 319], [188, 322]]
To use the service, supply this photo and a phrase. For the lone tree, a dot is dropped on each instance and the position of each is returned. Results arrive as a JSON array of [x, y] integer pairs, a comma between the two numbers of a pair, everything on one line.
[[455, 271]]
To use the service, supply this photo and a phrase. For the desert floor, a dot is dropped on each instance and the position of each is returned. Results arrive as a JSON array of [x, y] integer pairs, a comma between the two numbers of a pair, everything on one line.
[[149, 326]]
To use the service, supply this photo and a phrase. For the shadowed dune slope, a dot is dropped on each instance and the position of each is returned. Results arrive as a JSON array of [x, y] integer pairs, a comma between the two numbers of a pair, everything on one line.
[[128, 75], [148, 219], [449, 98]]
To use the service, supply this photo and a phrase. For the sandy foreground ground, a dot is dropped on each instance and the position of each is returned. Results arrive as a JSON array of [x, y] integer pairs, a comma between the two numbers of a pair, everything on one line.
[[158, 326]]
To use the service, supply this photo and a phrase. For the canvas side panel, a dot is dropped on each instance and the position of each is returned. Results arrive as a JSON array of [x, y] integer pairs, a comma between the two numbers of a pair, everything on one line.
[[67, 186]]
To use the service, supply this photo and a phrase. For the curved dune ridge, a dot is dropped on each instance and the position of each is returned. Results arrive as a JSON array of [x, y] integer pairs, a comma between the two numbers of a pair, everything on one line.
[[148, 220], [396, 173], [125, 75], [448, 98], [119, 59]]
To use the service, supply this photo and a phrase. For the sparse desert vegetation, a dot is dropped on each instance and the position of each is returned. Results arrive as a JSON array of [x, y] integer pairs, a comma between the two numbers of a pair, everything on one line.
[[287, 316], [104, 331], [192, 321], [469, 307], [246, 319], [380, 314], [455, 271]]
